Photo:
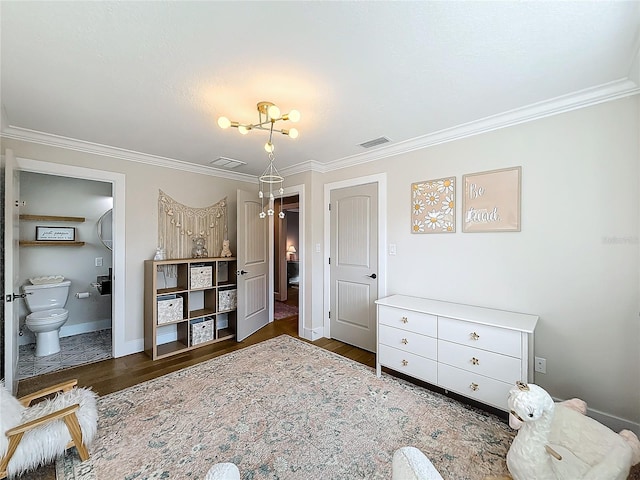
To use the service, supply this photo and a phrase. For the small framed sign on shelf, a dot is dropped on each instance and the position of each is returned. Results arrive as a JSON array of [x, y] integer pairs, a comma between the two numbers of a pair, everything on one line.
[[56, 234]]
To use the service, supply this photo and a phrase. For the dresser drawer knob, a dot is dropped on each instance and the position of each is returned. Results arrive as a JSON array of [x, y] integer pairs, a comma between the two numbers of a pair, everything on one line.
[[404, 341], [475, 336], [405, 363], [473, 386], [404, 320], [475, 361]]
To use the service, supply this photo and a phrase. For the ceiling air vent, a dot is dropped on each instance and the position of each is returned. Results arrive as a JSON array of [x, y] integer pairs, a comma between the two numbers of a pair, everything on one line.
[[375, 142], [224, 162]]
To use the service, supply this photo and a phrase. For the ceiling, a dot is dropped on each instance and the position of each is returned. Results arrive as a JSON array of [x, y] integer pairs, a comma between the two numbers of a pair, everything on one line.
[[148, 80]]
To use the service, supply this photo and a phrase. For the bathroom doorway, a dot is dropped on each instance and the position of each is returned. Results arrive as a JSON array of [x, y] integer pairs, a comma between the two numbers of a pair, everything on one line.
[[86, 335]]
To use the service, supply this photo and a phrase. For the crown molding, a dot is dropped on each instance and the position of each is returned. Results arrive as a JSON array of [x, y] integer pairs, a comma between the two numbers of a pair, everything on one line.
[[566, 103], [52, 140]]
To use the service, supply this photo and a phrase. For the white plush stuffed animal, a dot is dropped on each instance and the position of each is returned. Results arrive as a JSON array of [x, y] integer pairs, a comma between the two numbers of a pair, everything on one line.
[[556, 441]]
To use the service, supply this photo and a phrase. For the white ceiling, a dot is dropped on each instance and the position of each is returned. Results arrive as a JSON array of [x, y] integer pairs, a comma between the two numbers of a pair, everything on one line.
[[148, 80]]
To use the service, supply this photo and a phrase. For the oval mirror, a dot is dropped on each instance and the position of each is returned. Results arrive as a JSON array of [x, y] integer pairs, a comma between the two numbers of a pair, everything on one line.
[[105, 229]]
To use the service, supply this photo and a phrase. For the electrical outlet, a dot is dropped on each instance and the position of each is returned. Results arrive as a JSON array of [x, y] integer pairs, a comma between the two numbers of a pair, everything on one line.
[[541, 365]]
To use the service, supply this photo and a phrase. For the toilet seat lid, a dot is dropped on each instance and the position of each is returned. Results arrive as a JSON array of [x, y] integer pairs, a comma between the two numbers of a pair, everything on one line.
[[53, 314]]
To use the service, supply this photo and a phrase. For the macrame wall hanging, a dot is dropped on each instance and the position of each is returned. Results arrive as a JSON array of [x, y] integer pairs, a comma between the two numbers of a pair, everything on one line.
[[179, 224]]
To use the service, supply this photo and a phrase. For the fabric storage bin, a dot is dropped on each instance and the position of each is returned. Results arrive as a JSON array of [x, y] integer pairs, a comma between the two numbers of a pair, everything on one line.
[[201, 276], [227, 300], [201, 330], [169, 309]]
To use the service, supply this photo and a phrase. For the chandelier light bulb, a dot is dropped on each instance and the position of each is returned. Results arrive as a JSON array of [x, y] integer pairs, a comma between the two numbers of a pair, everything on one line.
[[293, 133], [260, 194], [281, 214], [262, 215], [294, 116], [270, 212], [274, 112], [269, 147], [243, 129], [271, 196], [224, 122], [281, 191]]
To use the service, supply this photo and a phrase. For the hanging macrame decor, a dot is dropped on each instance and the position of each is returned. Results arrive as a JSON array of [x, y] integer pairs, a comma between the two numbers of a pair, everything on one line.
[[179, 225]]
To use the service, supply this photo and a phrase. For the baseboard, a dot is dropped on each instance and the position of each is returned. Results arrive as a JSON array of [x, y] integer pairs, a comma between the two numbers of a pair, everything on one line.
[[312, 334], [68, 330]]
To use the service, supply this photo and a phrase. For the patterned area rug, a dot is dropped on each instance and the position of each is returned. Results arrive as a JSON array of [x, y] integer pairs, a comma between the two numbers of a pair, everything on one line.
[[284, 409], [282, 310]]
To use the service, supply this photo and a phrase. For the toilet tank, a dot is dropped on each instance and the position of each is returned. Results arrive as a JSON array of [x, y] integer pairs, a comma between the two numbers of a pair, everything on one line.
[[46, 296]]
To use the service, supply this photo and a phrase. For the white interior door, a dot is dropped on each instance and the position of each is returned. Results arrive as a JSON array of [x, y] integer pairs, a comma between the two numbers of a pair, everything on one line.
[[11, 271], [354, 265], [254, 244]]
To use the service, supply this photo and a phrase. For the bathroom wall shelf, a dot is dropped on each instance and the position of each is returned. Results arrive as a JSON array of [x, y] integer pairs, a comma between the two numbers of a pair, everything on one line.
[[51, 218], [188, 303], [45, 243]]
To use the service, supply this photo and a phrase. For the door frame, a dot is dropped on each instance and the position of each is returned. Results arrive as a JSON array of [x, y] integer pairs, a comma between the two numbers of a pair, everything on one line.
[[381, 180], [119, 345], [288, 192]]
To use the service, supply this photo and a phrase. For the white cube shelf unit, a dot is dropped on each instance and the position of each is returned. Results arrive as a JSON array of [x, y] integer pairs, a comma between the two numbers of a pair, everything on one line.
[[195, 285]]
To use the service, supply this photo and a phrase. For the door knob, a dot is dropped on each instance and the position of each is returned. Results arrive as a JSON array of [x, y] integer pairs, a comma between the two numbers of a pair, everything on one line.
[[242, 272], [373, 275]]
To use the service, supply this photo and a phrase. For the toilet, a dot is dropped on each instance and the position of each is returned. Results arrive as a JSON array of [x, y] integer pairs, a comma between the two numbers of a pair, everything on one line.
[[45, 302]]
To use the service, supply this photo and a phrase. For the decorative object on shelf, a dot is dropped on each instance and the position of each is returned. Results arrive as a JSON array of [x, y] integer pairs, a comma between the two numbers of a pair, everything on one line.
[[226, 251], [433, 208], [291, 251], [199, 250], [178, 224], [55, 234], [270, 181], [491, 201], [160, 255]]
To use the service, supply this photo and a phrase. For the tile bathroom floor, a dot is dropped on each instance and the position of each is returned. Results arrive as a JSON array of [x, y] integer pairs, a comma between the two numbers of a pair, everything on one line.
[[75, 350]]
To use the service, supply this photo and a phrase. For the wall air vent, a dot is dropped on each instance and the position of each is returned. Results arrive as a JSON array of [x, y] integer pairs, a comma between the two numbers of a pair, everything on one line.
[[375, 142], [224, 162]]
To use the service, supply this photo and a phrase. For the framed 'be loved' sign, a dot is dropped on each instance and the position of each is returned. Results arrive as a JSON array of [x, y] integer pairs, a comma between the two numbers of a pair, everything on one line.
[[491, 201]]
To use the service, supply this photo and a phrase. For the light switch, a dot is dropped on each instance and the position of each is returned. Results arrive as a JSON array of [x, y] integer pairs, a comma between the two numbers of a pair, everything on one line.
[[317, 248], [392, 249], [98, 261]]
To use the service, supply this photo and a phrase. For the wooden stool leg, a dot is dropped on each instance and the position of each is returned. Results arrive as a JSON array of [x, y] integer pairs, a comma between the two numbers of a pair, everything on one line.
[[14, 440], [76, 435]]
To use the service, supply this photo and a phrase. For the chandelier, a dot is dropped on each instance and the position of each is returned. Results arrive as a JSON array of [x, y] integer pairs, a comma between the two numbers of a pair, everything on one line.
[[270, 181]]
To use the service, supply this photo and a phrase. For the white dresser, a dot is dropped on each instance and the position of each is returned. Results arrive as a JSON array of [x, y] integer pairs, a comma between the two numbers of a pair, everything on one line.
[[473, 351]]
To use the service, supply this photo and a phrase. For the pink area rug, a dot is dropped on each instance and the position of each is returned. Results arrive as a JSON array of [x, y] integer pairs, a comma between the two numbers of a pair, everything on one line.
[[282, 310], [284, 409]]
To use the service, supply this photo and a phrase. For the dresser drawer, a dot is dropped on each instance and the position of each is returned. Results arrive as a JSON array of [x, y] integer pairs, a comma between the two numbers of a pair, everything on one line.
[[495, 339], [489, 364], [408, 341], [408, 363], [483, 389], [422, 323]]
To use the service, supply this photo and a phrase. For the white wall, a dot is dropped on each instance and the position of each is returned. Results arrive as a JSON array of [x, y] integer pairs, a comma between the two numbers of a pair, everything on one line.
[[575, 263], [56, 195]]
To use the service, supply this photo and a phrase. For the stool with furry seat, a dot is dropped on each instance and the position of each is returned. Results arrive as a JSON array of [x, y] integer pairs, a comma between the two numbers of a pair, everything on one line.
[[34, 435]]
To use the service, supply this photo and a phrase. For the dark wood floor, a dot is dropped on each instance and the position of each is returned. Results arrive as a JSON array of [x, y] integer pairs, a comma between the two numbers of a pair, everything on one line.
[[116, 374]]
